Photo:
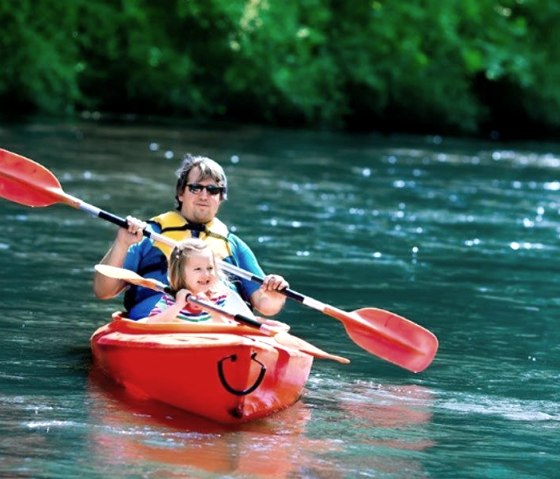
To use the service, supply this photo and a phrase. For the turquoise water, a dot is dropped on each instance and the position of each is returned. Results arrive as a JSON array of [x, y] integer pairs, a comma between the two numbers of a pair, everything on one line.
[[458, 236]]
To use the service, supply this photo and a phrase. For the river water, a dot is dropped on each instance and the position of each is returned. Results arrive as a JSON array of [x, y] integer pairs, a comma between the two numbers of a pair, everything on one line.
[[461, 237]]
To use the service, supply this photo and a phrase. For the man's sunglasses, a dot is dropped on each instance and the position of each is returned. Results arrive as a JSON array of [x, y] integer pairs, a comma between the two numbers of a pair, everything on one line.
[[211, 189]]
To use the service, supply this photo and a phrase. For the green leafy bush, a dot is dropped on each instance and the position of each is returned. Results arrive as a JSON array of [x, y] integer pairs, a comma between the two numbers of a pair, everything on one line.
[[460, 66]]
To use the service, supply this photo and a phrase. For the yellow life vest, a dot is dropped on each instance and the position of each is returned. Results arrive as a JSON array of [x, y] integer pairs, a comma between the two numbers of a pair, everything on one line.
[[176, 227]]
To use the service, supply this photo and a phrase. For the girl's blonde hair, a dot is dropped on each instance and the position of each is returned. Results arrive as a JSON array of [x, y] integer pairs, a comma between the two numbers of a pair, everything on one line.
[[178, 261]]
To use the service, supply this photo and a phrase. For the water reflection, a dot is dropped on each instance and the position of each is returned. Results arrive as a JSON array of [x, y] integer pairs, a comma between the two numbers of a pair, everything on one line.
[[389, 406], [134, 431], [389, 421]]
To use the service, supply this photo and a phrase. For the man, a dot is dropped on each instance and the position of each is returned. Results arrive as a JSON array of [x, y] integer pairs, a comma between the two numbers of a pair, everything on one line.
[[200, 190]]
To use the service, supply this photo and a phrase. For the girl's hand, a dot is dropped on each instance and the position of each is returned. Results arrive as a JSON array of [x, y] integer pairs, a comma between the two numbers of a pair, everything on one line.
[[181, 297]]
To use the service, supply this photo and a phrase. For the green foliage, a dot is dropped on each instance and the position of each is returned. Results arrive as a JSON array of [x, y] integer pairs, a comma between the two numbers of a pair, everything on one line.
[[282, 61], [539, 91], [38, 56], [461, 66]]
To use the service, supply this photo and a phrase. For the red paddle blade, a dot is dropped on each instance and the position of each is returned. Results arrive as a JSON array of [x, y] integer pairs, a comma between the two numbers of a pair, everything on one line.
[[392, 337], [26, 182], [129, 276]]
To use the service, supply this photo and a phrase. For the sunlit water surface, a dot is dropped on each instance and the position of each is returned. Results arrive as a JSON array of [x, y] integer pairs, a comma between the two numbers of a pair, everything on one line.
[[461, 237]]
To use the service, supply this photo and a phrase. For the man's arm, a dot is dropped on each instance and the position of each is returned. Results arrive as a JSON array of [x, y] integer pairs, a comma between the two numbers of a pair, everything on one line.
[[266, 300], [103, 286]]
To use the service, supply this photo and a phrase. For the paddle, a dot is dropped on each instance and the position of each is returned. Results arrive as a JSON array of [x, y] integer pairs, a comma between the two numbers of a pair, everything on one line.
[[382, 333], [281, 337]]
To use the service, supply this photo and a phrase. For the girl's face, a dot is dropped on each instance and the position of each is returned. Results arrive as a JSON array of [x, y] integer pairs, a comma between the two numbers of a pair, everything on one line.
[[200, 273]]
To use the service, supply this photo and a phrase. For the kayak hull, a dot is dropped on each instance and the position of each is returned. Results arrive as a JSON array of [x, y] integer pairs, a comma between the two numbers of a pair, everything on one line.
[[226, 373]]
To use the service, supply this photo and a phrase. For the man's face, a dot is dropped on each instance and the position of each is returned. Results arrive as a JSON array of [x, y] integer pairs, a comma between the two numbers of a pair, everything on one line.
[[199, 206]]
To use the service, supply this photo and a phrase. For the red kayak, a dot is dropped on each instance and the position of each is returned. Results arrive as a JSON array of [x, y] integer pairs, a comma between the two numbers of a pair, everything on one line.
[[227, 373]]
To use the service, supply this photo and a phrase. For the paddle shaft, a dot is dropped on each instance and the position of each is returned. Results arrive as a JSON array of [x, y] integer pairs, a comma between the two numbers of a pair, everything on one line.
[[134, 278], [240, 318], [228, 267]]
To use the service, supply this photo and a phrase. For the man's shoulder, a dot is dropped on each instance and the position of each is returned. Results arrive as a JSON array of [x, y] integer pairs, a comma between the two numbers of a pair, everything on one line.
[[237, 242]]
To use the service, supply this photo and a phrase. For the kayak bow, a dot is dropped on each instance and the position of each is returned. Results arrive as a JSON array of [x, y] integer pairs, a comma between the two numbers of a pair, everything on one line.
[[224, 372]]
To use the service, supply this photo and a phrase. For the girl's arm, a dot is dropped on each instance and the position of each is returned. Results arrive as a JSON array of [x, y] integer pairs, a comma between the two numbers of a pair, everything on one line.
[[169, 315]]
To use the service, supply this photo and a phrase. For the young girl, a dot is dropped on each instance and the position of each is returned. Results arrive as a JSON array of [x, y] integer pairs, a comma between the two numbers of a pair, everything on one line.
[[193, 269]]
